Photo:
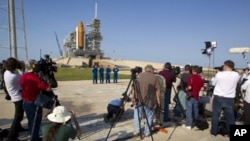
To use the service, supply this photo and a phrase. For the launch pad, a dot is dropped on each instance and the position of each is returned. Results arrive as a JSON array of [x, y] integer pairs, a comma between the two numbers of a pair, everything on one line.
[[84, 43]]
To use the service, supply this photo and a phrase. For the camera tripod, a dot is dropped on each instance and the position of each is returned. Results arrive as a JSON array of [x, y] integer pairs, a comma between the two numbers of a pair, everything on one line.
[[138, 99], [120, 111]]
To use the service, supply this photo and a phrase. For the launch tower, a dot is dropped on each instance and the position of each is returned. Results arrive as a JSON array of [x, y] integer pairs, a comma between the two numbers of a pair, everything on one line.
[[79, 43]]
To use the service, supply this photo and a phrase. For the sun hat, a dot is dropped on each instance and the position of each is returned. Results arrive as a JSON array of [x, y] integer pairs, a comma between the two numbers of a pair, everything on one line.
[[59, 115]]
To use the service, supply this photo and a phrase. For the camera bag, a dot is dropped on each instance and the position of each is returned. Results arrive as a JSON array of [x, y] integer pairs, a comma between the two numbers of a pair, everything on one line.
[[44, 100]]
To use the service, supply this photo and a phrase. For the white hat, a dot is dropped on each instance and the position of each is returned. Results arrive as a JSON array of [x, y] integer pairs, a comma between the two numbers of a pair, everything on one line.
[[59, 115]]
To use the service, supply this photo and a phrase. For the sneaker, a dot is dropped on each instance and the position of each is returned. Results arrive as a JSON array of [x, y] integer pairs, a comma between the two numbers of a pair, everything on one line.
[[187, 127], [136, 133]]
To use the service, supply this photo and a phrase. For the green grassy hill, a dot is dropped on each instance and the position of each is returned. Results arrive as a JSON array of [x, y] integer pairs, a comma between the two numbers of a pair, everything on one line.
[[66, 74]]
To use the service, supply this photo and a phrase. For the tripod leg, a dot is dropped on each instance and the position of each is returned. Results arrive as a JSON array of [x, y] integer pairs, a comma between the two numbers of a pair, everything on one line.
[[36, 120]]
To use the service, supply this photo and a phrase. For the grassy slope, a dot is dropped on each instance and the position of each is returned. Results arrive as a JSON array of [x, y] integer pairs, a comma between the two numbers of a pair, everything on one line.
[[66, 74]]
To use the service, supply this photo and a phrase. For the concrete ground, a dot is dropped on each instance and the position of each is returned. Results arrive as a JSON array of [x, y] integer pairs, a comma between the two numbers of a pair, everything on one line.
[[89, 101]]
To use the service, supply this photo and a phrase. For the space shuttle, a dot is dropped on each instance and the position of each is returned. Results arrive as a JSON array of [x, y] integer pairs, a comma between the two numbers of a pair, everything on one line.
[[81, 42]]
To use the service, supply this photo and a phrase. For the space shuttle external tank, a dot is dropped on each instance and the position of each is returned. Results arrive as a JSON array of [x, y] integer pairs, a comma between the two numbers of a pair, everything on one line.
[[80, 35]]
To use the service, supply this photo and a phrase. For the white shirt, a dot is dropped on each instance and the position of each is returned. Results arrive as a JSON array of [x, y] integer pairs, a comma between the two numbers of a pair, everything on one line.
[[246, 86], [225, 83], [12, 84]]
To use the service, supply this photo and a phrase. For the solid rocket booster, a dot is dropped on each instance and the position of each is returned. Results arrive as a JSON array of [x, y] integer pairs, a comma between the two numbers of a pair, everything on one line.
[[80, 36]]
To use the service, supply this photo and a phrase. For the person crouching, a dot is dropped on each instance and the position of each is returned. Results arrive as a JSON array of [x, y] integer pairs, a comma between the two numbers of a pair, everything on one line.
[[115, 110]]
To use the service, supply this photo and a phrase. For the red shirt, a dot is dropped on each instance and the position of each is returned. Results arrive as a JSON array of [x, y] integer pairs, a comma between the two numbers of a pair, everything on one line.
[[31, 86], [196, 84]]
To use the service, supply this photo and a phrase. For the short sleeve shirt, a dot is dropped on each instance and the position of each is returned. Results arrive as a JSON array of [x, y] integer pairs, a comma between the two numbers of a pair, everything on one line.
[[63, 133], [148, 85]]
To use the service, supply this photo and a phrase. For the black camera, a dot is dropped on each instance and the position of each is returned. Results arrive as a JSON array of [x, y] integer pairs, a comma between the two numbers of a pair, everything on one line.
[[136, 70], [45, 69], [46, 65], [20, 65], [176, 70]]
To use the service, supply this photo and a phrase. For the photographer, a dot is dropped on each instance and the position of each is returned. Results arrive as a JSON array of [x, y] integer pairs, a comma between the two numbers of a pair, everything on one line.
[[184, 76], [13, 88], [31, 86], [147, 95], [194, 85], [169, 79], [225, 83], [245, 88], [60, 128], [115, 109]]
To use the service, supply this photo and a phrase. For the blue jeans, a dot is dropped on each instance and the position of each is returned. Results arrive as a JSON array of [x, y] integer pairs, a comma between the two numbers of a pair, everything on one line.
[[166, 104], [219, 104], [31, 111], [192, 111], [149, 113]]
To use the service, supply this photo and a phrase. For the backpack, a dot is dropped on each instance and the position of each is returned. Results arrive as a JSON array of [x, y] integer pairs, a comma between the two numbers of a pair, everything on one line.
[[201, 123], [222, 128]]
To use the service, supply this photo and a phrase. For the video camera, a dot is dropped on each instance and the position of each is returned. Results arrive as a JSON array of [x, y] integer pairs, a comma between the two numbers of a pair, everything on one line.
[[136, 70], [176, 70], [45, 69]]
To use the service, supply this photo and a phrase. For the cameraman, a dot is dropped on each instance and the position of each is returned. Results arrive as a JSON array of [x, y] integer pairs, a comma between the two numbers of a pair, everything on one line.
[[169, 79], [13, 88], [31, 86], [184, 76], [147, 96]]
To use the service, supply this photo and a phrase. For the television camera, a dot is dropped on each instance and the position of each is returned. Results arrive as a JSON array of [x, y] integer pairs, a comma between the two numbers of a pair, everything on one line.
[[45, 69], [135, 71], [176, 70]]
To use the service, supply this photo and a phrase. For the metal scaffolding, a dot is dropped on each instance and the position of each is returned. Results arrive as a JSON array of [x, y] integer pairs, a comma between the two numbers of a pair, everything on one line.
[[13, 36]]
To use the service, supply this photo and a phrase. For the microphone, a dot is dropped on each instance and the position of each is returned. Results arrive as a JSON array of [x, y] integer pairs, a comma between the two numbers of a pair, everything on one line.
[[240, 50]]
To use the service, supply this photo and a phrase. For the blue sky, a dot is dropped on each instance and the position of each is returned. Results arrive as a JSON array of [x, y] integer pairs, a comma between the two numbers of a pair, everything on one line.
[[148, 30]]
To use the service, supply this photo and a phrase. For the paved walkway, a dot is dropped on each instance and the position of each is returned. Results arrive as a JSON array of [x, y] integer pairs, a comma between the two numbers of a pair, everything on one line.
[[89, 103]]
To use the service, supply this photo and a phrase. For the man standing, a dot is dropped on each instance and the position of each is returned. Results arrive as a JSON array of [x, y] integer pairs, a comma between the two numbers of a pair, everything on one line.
[[108, 71], [101, 74], [147, 95], [194, 86], [115, 71], [13, 87], [225, 83], [31, 86], [184, 76], [169, 80]]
